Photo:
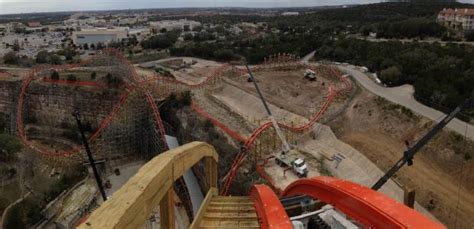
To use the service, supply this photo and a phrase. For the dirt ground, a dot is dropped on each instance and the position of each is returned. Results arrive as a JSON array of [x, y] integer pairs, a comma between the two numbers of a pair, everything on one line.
[[289, 90], [379, 130]]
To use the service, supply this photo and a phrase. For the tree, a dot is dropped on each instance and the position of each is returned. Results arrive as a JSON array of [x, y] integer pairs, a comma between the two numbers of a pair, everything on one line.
[[55, 75], [10, 58], [71, 77], [86, 46], [93, 46], [93, 75], [55, 59], [16, 46], [390, 75], [224, 54], [100, 46], [469, 35], [188, 37], [42, 57], [9, 146], [108, 77]]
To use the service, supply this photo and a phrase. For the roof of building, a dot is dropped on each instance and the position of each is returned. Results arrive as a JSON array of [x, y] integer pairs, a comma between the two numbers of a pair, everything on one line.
[[457, 11], [34, 24]]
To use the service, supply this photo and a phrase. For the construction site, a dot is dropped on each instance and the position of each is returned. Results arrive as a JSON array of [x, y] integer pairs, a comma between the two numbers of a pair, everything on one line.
[[186, 142]]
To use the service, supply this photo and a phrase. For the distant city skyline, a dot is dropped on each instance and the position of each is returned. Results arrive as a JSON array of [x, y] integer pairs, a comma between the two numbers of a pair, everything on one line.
[[33, 6]]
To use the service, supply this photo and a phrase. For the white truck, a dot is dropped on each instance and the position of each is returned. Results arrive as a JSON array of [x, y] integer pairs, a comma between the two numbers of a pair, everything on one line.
[[310, 75], [298, 165]]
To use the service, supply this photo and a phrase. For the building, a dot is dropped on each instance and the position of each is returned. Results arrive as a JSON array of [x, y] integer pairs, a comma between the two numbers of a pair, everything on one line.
[[168, 25], [290, 14], [458, 19], [100, 35]]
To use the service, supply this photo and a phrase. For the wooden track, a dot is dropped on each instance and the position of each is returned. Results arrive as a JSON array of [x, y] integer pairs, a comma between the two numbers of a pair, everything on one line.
[[151, 187], [230, 212]]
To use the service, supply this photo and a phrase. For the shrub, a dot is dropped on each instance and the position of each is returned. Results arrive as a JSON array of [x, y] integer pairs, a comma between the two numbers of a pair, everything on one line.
[[10, 58], [55, 75], [9, 146], [71, 77]]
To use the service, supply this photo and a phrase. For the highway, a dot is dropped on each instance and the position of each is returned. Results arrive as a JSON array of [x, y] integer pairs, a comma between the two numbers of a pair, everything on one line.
[[403, 95]]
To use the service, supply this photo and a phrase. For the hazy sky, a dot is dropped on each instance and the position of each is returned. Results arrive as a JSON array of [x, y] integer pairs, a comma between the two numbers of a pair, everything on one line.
[[28, 6]]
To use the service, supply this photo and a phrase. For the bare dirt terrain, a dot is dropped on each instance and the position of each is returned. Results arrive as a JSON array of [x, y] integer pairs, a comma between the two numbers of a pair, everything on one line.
[[379, 129], [289, 90]]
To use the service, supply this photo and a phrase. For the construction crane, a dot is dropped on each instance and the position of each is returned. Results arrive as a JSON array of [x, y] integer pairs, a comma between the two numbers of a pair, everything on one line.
[[410, 152], [298, 165]]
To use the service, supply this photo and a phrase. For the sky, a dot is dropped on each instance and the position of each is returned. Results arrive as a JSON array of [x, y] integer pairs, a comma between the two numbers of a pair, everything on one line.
[[29, 6]]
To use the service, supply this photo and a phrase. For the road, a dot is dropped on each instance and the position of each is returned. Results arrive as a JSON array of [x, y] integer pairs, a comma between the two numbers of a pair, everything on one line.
[[403, 95], [308, 57]]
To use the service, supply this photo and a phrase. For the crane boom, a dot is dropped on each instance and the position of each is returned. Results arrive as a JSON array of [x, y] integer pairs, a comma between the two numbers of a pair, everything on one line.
[[286, 146], [410, 153]]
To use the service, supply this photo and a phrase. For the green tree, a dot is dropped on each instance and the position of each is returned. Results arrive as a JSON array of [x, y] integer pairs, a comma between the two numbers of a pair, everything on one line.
[[42, 57], [469, 35], [71, 77], [93, 75], [390, 75], [9, 146], [100, 46], [55, 59], [11, 58], [224, 54], [55, 75], [16, 46]]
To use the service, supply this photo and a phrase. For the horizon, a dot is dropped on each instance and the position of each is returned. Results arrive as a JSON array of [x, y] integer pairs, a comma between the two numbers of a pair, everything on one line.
[[57, 6]]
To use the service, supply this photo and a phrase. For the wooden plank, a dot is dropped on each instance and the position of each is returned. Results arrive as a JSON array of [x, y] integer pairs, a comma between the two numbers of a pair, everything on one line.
[[167, 219], [200, 214], [211, 172], [132, 204]]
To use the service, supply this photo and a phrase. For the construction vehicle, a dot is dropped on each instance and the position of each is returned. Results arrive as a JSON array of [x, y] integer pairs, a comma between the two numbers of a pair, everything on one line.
[[310, 75], [287, 158], [298, 165]]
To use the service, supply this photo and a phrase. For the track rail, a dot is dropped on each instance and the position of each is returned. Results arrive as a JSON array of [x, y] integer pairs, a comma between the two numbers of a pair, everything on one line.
[[370, 208], [249, 143], [166, 86]]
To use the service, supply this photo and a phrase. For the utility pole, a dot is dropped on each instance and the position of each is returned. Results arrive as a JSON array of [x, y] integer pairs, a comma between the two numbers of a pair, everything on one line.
[[89, 155]]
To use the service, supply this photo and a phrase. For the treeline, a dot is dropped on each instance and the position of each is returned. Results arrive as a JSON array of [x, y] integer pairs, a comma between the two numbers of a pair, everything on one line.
[[253, 50], [415, 19], [443, 76]]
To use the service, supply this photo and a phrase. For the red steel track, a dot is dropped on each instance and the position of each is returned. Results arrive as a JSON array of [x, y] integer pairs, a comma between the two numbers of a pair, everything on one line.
[[370, 208], [332, 93], [167, 86]]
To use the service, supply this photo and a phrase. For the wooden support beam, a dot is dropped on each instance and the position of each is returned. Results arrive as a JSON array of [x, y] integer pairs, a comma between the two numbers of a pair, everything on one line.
[[132, 204], [167, 217], [409, 196], [211, 172]]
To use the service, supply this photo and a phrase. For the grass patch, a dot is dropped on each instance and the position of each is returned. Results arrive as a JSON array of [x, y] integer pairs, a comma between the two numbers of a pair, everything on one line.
[[389, 106], [323, 170], [8, 194]]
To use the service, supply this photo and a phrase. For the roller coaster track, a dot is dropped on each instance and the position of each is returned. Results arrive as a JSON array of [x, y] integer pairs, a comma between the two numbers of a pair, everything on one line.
[[166, 86]]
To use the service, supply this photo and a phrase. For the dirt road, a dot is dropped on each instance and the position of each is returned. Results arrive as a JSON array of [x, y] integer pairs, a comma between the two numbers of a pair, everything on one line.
[[403, 95]]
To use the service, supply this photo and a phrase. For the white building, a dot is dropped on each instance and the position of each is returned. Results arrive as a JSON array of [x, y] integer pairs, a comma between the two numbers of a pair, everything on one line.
[[290, 14], [181, 24], [100, 35], [459, 19]]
